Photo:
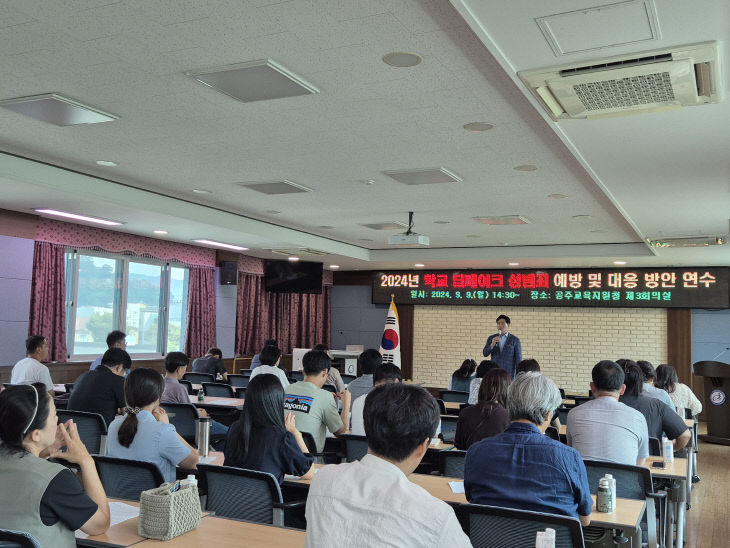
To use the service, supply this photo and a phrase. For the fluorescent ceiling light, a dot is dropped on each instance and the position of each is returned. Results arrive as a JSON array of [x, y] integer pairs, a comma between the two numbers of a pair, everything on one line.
[[293, 259], [333, 266], [107, 163], [514, 264], [221, 244], [160, 231], [57, 110], [79, 217], [619, 262], [419, 265]]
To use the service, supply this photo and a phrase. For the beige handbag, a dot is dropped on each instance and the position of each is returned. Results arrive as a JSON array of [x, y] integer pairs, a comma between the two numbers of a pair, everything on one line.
[[164, 515]]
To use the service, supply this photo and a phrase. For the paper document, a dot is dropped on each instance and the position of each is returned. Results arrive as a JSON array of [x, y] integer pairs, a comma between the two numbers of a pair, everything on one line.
[[206, 460], [119, 512], [219, 402], [456, 486]]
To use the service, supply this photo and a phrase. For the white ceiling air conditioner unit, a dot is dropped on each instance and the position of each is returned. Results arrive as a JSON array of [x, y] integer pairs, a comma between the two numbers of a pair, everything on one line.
[[299, 251], [629, 84], [691, 241]]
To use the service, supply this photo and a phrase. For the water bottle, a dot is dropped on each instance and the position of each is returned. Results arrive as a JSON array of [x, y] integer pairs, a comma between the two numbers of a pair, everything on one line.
[[603, 496], [545, 539], [191, 480], [612, 482], [667, 449], [201, 395], [203, 436]]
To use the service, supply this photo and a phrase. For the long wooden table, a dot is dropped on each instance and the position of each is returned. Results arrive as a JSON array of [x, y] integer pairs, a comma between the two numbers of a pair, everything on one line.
[[215, 402], [120, 535]]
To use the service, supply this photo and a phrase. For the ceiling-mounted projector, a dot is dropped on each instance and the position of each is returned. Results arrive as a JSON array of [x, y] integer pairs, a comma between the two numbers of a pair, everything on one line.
[[408, 237]]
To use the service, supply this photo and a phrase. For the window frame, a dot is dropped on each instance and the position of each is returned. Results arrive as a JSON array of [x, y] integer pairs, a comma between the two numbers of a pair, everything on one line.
[[119, 317]]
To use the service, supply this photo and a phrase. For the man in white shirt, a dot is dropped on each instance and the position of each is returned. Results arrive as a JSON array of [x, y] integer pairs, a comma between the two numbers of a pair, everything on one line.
[[370, 502], [30, 369], [270, 357], [384, 373]]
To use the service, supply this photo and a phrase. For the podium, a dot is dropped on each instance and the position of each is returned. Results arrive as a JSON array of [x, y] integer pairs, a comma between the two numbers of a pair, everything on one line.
[[717, 390]]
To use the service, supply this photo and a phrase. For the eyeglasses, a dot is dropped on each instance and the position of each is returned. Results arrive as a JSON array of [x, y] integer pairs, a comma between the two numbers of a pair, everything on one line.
[[35, 411]]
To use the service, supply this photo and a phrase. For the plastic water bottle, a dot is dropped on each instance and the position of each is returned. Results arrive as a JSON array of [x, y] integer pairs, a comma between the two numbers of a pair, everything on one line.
[[545, 539], [201, 395], [612, 481], [667, 449], [604, 499], [190, 480]]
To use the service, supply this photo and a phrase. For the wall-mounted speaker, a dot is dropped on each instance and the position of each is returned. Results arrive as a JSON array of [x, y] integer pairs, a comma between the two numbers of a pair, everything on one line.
[[228, 273]]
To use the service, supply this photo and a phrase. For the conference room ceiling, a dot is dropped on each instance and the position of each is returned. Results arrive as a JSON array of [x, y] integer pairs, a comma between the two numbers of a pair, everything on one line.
[[601, 187]]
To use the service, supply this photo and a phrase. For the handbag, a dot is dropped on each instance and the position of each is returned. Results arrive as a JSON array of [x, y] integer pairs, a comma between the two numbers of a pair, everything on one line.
[[164, 515]]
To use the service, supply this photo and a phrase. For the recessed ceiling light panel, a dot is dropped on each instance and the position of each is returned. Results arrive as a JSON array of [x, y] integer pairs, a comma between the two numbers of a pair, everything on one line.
[[557, 196], [254, 81], [221, 244], [402, 59], [106, 163], [201, 191], [162, 232], [526, 167], [503, 220], [477, 126], [57, 110], [388, 225], [426, 176], [77, 217], [276, 187]]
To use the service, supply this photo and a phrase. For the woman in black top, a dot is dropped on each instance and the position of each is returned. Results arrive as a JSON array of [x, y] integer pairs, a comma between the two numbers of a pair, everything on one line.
[[263, 438], [462, 377], [489, 416]]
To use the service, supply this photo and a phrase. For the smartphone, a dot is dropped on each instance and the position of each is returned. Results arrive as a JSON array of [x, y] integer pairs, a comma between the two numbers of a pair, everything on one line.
[[658, 464]]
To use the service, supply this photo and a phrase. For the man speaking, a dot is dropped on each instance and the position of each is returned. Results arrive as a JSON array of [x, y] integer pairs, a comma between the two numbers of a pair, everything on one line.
[[505, 348]]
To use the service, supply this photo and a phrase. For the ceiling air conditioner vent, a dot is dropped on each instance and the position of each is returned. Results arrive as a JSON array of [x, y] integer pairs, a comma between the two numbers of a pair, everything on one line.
[[299, 251], [648, 82]]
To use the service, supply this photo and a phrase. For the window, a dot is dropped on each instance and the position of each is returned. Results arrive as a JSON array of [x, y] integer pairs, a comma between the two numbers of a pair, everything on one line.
[[146, 299]]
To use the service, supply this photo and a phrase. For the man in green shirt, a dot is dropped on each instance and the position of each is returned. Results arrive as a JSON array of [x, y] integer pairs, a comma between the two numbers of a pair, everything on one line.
[[315, 409]]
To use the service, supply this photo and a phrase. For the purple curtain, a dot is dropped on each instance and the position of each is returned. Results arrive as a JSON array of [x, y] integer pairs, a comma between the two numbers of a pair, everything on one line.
[[200, 324], [294, 320], [48, 298]]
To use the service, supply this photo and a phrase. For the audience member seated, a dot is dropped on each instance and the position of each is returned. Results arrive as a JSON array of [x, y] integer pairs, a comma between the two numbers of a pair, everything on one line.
[[37, 496], [211, 363], [145, 432], [461, 378], [270, 357], [488, 417], [482, 369], [604, 428], [681, 395], [256, 360], [176, 364], [370, 502], [530, 364], [314, 409], [521, 467], [649, 389], [333, 375], [367, 361], [102, 389], [659, 417], [115, 339], [385, 373], [264, 438], [30, 369]]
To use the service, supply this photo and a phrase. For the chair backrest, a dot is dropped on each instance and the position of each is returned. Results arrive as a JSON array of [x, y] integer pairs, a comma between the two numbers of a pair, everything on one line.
[[494, 527], [91, 426], [217, 389], [581, 399], [632, 482], [688, 413], [552, 432], [562, 393], [309, 442], [17, 539], [454, 396], [241, 392], [188, 386], [183, 416], [347, 379], [451, 463], [246, 372], [199, 378], [69, 386], [239, 380], [563, 414], [655, 447], [448, 427], [354, 447], [461, 384], [126, 479], [240, 494], [296, 375], [442, 407]]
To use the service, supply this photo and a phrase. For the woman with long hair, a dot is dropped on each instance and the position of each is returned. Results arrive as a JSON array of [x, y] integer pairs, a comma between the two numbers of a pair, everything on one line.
[[36, 496], [680, 394], [462, 377], [482, 369], [145, 432], [265, 439], [489, 416]]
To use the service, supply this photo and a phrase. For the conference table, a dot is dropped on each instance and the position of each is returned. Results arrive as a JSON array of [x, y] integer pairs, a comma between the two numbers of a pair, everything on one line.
[[216, 402]]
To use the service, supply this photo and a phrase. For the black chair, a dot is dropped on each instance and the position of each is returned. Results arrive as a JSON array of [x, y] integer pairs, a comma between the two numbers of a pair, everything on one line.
[[454, 396], [633, 482], [126, 479], [552, 433], [188, 386], [17, 539], [244, 494], [448, 427], [563, 414], [241, 392], [199, 378], [218, 390], [354, 447], [91, 427], [69, 386], [655, 447], [239, 380], [326, 457], [562, 393], [451, 463], [442, 407], [494, 527], [246, 372], [581, 399], [296, 375], [330, 388], [183, 417], [347, 379]]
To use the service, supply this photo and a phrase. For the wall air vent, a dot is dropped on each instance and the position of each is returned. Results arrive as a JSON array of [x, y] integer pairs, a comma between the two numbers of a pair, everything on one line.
[[648, 82]]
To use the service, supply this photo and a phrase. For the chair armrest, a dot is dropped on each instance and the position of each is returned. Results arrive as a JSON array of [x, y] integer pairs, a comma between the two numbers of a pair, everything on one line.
[[291, 504], [659, 495]]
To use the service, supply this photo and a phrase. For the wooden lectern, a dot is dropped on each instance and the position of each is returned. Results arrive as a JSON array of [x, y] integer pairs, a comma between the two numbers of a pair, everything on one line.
[[717, 390]]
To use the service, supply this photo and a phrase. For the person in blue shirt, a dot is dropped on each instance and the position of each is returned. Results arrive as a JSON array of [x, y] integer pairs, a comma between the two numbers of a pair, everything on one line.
[[145, 432], [522, 468]]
